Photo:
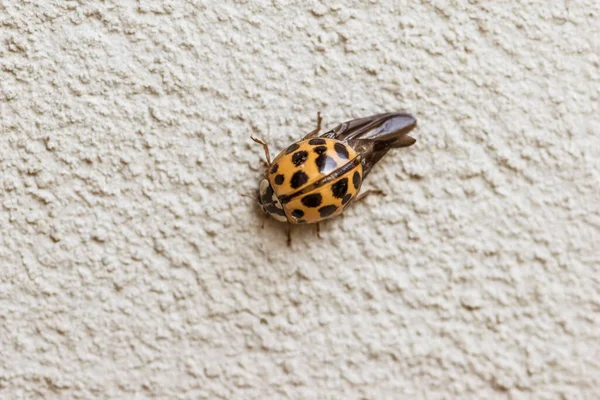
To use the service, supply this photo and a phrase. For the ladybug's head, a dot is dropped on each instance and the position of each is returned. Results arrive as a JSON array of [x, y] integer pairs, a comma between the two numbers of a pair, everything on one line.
[[269, 201]]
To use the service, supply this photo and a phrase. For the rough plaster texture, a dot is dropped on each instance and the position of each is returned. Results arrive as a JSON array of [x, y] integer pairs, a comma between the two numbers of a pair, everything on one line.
[[132, 268]]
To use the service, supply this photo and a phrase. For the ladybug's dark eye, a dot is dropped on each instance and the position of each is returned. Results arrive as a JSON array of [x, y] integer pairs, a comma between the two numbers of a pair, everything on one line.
[[266, 192], [269, 201]]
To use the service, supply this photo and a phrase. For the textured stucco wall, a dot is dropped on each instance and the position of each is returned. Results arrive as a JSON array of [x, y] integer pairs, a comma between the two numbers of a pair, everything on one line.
[[131, 267]]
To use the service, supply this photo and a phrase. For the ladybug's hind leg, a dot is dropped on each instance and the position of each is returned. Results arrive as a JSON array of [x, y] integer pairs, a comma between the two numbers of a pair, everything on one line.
[[368, 192], [317, 129], [265, 148], [318, 230], [289, 235]]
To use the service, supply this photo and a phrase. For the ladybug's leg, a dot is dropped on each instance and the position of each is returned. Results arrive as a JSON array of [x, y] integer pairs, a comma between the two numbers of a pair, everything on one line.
[[368, 192], [265, 147], [318, 230], [317, 129], [289, 235]]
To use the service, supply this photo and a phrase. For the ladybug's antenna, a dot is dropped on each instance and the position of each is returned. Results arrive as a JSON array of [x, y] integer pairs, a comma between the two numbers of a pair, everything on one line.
[[251, 197]]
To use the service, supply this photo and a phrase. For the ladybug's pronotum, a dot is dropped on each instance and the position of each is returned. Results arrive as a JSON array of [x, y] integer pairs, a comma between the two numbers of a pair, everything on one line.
[[319, 177]]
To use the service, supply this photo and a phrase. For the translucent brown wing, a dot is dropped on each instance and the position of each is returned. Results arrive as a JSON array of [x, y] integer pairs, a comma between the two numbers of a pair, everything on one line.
[[372, 137]]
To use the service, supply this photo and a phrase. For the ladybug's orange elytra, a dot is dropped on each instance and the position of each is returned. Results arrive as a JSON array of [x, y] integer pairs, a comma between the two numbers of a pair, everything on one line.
[[298, 174]]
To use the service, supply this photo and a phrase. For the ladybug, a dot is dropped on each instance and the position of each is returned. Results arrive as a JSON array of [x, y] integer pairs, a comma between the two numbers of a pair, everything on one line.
[[318, 177]]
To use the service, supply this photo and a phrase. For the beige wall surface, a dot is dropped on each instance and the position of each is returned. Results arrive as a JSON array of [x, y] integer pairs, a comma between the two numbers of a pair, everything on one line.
[[132, 267]]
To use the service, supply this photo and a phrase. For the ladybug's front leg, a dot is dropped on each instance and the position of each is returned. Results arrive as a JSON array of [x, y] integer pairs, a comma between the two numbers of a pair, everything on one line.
[[317, 129], [265, 148], [289, 235]]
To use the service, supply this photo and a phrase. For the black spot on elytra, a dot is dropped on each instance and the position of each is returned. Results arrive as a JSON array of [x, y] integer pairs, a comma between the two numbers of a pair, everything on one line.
[[320, 149], [279, 179], [340, 188], [346, 198], [341, 150], [292, 148], [325, 163], [298, 179], [299, 157], [356, 180], [312, 200], [327, 210], [298, 213], [274, 168], [317, 141]]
